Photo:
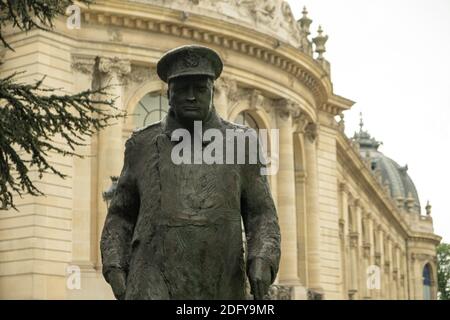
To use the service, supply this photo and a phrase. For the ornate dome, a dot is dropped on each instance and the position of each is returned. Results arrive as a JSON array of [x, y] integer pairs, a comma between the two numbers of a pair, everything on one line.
[[395, 177]]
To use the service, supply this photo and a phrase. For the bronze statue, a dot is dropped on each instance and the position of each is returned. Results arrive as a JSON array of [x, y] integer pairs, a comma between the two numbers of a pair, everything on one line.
[[173, 231]]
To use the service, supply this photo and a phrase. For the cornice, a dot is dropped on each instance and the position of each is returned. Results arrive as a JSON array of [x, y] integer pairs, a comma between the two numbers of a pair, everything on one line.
[[206, 30], [351, 159], [336, 104], [425, 237]]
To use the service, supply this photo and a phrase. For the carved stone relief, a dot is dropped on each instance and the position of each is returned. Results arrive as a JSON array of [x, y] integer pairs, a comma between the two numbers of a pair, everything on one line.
[[269, 16]]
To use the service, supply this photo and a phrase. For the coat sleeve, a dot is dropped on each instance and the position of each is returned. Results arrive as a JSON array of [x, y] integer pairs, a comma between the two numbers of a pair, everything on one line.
[[260, 218], [119, 225]]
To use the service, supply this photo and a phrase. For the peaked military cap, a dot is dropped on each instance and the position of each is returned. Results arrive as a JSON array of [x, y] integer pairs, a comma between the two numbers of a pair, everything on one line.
[[189, 60]]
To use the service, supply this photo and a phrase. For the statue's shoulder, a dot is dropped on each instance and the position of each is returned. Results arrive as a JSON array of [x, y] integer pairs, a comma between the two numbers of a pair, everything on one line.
[[236, 126], [152, 127], [239, 128], [142, 134]]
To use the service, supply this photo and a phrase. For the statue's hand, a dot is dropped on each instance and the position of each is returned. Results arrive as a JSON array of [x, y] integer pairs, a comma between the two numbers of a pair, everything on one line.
[[260, 276], [117, 279]]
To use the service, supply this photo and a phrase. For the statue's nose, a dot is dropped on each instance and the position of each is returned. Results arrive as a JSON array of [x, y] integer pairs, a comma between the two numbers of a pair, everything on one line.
[[190, 94]]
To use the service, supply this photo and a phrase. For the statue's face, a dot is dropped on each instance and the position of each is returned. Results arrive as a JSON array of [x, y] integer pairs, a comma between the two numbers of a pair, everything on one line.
[[190, 97]]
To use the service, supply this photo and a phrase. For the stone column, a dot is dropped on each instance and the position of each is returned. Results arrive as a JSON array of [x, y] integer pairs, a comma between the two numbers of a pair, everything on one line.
[[394, 278], [398, 272], [418, 278], [388, 267], [355, 247], [302, 230], [312, 208], [288, 272], [413, 277], [404, 279], [371, 249], [366, 254], [382, 261], [434, 279], [224, 90], [371, 235], [354, 264], [84, 240], [110, 143], [359, 249], [343, 233]]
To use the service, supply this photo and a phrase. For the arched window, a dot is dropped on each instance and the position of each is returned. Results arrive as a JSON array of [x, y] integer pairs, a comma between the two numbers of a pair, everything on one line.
[[151, 108], [246, 119], [426, 276]]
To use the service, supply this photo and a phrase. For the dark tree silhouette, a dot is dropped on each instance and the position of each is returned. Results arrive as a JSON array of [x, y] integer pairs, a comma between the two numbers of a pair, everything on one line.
[[33, 117], [443, 274]]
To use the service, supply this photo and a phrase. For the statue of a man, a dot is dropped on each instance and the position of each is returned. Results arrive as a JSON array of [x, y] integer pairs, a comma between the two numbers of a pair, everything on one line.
[[174, 231]]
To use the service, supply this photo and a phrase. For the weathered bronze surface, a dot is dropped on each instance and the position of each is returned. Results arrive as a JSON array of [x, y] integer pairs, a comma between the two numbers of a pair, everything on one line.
[[174, 231]]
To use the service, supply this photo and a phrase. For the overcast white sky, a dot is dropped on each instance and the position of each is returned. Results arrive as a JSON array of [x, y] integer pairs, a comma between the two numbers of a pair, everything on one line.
[[393, 58]]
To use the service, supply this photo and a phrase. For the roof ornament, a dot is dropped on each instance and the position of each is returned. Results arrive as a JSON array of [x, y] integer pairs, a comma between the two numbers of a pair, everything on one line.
[[361, 123], [403, 169], [303, 25], [320, 41], [305, 22], [428, 208], [363, 137]]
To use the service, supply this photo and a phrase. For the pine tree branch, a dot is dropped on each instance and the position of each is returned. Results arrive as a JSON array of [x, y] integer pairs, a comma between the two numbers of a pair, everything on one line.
[[32, 118], [28, 14]]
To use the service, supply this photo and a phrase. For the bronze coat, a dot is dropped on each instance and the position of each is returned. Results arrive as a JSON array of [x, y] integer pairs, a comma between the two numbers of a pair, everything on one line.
[[176, 229]]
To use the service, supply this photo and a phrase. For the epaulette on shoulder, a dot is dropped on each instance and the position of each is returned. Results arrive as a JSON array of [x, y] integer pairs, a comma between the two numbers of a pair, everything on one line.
[[131, 141], [233, 125], [151, 125]]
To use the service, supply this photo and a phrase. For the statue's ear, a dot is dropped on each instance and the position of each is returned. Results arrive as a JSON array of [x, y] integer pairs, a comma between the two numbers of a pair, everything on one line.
[[213, 91], [211, 82]]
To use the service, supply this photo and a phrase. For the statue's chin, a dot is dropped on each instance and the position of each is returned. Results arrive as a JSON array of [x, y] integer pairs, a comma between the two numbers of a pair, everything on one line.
[[190, 120], [193, 116]]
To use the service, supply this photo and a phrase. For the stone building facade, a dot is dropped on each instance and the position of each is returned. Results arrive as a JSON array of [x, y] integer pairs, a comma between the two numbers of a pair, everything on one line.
[[350, 217]]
